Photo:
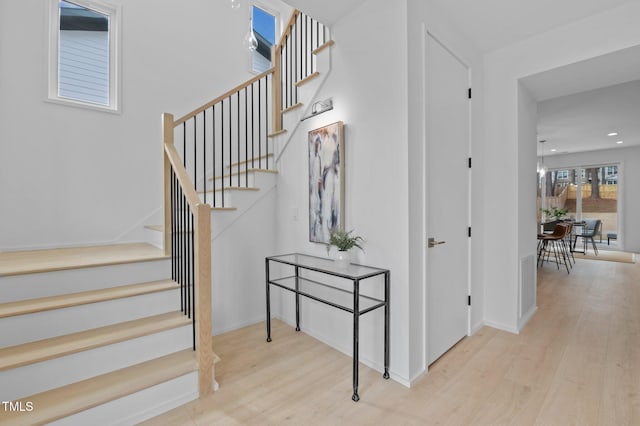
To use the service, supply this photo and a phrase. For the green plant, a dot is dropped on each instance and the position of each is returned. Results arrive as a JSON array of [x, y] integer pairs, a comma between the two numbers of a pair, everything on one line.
[[343, 240], [555, 212]]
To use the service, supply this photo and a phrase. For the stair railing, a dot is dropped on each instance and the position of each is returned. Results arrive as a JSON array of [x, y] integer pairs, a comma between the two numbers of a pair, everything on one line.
[[231, 130], [189, 244], [201, 151], [294, 59]]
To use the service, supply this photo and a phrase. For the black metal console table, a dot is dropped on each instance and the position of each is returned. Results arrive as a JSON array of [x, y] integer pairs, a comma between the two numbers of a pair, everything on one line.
[[332, 295]]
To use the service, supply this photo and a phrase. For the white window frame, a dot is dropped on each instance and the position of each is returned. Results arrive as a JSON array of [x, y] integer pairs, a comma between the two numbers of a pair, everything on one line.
[[114, 12]]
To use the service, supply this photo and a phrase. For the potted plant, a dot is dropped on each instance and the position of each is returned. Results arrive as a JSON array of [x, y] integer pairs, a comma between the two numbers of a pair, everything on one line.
[[556, 212], [344, 241]]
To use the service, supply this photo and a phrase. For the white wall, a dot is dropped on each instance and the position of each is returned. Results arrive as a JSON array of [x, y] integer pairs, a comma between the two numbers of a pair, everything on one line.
[[368, 84], [376, 88], [629, 173], [73, 176], [527, 232], [600, 34]]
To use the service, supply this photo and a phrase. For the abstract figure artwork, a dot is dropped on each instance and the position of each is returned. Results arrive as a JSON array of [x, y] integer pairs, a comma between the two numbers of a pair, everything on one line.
[[326, 181]]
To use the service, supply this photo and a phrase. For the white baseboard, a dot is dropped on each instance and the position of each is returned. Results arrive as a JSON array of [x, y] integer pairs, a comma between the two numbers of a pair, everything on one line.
[[526, 317], [500, 326]]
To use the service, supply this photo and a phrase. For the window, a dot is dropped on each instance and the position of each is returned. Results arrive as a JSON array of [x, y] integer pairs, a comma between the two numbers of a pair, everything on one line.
[[83, 54], [264, 28]]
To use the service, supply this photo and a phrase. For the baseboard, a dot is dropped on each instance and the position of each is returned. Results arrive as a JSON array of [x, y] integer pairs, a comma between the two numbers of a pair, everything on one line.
[[500, 326], [526, 317], [475, 328]]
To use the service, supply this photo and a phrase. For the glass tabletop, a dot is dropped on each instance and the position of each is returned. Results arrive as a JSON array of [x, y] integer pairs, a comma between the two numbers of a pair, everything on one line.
[[353, 271]]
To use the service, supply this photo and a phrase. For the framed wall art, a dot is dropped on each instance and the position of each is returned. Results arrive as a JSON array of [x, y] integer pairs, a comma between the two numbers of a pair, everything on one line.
[[326, 181]]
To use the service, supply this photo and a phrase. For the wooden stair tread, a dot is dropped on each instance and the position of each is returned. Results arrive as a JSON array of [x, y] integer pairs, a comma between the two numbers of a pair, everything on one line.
[[277, 133], [292, 107], [42, 350], [242, 172], [254, 159], [35, 261], [307, 79], [323, 47], [76, 397], [231, 188], [82, 298]]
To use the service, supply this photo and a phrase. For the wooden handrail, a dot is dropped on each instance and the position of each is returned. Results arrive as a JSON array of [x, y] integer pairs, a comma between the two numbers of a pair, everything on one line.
[[221, 97], [288, 28]]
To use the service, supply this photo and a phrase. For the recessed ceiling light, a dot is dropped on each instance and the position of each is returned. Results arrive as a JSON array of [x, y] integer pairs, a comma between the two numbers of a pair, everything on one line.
[[553, 150], [613, 134], [619, 142]]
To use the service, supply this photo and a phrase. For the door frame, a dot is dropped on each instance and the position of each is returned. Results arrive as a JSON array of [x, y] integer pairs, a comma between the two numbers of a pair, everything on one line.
[[426, 196]]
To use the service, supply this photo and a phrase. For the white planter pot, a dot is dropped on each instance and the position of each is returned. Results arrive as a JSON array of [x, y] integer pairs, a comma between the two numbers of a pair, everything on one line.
[[343, 258]]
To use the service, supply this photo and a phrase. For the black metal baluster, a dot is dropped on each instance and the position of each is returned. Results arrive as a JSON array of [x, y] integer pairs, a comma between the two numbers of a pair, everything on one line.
[[266, 112], [259, 123], [237, 138], [213, 155], [195, 153], [253, 110], [230, 145], [306, 46], [246, 141], [222, 150], [311, 69], [184, 144]]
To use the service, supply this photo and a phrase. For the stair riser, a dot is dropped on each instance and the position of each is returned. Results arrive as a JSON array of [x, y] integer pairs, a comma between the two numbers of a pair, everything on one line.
[[44, 284], [21, 382], [139, 406], [42, 325]]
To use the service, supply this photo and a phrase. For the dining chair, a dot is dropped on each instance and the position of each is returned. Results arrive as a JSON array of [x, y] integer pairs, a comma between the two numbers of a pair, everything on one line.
[[591, 229]]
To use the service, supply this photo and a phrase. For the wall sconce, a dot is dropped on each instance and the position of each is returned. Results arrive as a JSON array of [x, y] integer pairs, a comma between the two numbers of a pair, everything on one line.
[[318, 108]]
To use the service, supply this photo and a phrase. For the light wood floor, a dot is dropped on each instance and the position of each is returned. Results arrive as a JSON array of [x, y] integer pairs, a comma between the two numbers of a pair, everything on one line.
[[576, 363]]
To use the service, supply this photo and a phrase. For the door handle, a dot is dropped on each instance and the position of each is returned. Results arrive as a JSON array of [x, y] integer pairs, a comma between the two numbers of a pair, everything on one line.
[[432, 242]]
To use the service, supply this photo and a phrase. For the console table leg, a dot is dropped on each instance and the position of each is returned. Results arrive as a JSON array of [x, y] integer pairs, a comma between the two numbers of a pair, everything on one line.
[[266, 267], [387, 279], [297, 301], [356, 333]]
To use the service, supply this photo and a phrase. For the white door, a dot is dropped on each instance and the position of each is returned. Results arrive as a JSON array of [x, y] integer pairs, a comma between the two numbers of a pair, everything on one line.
[[447, 152]]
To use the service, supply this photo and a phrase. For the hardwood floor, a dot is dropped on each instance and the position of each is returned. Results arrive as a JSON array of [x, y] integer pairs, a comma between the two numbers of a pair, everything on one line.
[[576, 363]]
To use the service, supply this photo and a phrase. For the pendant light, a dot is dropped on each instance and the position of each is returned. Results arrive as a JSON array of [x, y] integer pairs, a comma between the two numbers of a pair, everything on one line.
[[542, 170], [250, 41]]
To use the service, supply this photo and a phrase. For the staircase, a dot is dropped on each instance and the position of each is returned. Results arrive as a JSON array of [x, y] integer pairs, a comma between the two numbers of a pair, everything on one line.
[[117, 334], [90, 334]]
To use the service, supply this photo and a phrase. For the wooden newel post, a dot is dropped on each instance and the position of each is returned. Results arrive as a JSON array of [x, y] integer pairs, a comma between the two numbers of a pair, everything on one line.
[[204, 349], [167, 140], [276, 87]]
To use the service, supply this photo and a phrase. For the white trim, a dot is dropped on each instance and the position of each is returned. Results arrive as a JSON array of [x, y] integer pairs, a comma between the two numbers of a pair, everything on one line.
[[115, 22]]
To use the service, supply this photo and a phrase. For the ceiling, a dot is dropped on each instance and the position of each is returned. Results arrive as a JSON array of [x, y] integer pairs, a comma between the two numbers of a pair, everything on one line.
[[488, 24], [493, 24], [582, 121], [581, 103]]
